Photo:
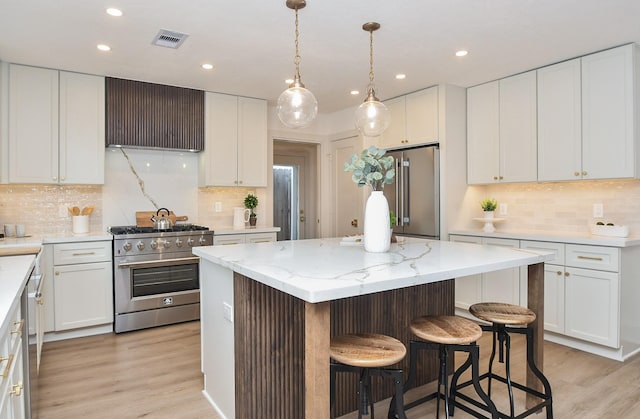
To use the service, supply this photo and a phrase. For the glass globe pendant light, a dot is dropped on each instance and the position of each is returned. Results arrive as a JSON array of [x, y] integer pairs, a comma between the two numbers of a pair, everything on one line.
[[297, 106], [372, 116]]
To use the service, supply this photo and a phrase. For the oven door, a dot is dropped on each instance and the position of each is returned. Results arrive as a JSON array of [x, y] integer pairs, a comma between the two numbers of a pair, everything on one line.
[[142, 284]]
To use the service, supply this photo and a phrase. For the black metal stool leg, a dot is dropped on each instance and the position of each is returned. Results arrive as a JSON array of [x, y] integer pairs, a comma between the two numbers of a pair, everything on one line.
[[454, 383], [506, 340], [474, 356], [491, 358], [332, 394], [538, 373]]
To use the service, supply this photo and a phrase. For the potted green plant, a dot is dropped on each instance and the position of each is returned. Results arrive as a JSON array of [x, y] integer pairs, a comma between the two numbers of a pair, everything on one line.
[[488, 206], [251, 202], [374, 169]]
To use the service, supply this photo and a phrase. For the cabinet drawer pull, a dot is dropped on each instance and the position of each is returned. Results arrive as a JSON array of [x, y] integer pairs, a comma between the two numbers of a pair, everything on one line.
[[20, 325], [5, 373], [84, 254], [17, 390], [262, 241], [590, 258]]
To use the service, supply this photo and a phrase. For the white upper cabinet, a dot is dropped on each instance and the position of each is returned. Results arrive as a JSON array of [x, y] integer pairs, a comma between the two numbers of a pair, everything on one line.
[[483, 133], [82, 142], [501, 131], [56, 126], [518, 128], [414, 119], [609, 118], [235, 142], [559, 122], [586, 125]]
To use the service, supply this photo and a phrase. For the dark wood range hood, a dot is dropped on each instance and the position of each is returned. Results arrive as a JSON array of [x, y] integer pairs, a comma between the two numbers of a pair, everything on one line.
[[148, 115]]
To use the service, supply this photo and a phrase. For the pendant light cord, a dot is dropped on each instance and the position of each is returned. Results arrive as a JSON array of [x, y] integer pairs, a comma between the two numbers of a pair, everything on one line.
[[296, 59], [371, 58]]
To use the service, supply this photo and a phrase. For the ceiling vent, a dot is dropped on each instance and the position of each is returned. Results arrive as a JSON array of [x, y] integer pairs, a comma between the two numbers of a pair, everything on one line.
[[169, 39]]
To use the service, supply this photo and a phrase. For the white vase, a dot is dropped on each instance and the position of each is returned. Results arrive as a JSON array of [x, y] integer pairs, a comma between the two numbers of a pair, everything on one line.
[[377, 235]]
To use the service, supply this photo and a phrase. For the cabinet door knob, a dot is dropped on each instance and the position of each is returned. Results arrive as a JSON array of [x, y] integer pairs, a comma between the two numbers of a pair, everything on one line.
[[559, 273], [495, 178], [576, 173], [566, 274], [501, 178], [584, 173]]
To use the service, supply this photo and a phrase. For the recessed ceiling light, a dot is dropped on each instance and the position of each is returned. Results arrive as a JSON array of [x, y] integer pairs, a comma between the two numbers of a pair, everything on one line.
[[401, 76], [288, 81], [207, 66], [355, 92], [114, 12], [461, 53], [104, 47]]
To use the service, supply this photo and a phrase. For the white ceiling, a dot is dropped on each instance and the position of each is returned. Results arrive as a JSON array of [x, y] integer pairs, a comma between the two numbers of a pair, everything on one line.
[[251, 42]]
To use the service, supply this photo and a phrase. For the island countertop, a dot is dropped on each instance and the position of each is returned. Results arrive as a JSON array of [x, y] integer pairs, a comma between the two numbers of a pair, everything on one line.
[[323, 270]]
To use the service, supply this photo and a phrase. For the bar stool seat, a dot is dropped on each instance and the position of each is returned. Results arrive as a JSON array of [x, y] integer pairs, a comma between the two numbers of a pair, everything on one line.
[[505, 319], [368, 354], [445, 333], [502, 313]]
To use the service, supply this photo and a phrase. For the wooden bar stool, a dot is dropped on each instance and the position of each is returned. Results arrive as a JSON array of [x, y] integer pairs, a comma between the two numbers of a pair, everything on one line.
[[506, 319], [445, 334], [367, 354]]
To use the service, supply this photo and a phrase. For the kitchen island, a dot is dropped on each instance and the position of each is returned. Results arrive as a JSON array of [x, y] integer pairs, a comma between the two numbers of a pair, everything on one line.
[[268, 311]]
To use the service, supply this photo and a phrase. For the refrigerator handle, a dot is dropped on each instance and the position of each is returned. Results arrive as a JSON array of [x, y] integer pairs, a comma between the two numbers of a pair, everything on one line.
[[402, 216], [396, 185], [406, 220]]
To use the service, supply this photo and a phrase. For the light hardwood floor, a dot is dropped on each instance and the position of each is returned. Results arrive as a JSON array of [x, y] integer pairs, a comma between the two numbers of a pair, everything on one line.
[[155, 374]]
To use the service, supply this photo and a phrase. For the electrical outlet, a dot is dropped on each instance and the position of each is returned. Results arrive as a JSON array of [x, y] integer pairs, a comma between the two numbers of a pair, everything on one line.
[[227, 312], [218, 206], [503, 209], [598, 211]]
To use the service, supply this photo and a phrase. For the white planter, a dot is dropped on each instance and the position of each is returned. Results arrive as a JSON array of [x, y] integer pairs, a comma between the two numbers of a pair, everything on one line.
[[377, 235], [488, 214]]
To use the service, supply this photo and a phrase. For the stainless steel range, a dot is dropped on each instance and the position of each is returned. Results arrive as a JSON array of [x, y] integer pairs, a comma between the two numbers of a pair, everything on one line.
[[156, 279]]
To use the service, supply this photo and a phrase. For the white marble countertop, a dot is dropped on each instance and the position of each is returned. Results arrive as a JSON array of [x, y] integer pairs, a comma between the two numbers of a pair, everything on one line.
[[12, 242], [14, 274], [323, 270], [225, 230], [558, 237]]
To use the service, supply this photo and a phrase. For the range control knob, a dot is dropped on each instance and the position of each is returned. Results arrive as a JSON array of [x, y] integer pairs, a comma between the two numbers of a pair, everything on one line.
[[202, 241], [154, 244], [179, 242], [140, 246], [127, 246], [190, 241], [166, 244]]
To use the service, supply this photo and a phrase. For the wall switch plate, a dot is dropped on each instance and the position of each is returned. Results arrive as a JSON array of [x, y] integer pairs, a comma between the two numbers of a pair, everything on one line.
[[227, 311], [218, 206], [503, 208], [598, 211]]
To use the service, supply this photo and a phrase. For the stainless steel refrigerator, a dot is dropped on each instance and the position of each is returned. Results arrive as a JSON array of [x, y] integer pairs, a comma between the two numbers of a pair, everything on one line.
[[415, 194]]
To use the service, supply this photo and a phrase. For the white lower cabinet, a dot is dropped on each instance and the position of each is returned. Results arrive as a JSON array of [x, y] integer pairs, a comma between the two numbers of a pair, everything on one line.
[[584, 302], [591, 306], [225, 239], [582, 291], [500, 286], [82, 285], [12, 391]]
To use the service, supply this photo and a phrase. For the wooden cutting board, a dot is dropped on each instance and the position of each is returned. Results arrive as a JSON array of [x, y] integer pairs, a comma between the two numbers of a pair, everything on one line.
[[143, 218]]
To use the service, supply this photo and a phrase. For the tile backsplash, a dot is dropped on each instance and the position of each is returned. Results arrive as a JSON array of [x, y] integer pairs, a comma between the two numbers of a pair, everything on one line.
[[43, 208], [560, 206]]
